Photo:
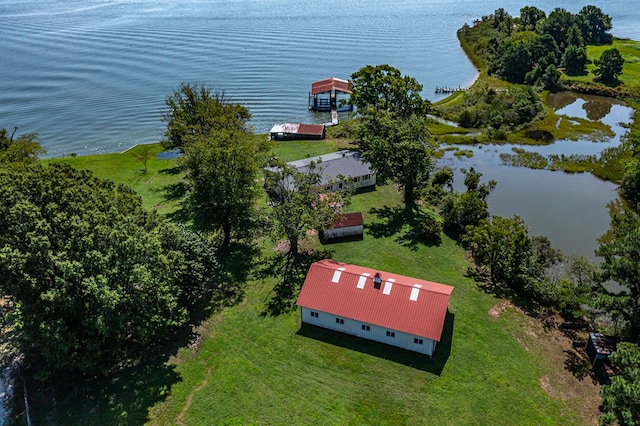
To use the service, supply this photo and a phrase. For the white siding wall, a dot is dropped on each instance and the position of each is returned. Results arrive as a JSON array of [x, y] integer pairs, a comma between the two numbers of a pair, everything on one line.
[[379, 334]]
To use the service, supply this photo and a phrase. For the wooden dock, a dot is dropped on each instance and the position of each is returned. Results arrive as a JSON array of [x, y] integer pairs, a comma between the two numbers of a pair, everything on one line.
[[449, 89]]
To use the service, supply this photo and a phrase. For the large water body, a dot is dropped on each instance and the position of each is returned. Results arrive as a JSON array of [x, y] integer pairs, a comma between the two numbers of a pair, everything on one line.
[[92, 76]]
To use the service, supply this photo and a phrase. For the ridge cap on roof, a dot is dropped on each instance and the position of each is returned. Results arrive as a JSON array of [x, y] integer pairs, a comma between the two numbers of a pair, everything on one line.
[[392, 275]]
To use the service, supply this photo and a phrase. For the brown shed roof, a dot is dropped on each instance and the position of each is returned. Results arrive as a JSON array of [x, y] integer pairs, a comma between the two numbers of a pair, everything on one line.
[[348, 219], [330, 84]]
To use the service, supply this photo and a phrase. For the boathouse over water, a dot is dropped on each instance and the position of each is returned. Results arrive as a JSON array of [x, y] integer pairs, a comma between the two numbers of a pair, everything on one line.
[[324, 95]]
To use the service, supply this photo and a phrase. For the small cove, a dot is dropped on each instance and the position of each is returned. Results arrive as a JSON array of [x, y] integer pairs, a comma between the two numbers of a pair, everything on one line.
[[570, 209]]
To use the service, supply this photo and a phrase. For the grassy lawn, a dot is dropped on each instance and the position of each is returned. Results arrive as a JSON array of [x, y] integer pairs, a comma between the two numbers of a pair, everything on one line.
[[124, 168], [630, 51], [494, 365], [256, 369]]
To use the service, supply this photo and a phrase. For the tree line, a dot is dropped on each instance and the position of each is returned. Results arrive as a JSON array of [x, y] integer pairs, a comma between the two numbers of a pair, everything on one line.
[[535, 47]]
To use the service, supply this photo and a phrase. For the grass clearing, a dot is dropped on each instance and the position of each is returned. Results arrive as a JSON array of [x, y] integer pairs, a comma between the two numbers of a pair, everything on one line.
[[630, 51], [250, 368], [256, 369]]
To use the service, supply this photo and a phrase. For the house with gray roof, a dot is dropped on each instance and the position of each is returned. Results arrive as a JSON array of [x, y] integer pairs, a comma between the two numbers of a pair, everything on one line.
[[345, 163]]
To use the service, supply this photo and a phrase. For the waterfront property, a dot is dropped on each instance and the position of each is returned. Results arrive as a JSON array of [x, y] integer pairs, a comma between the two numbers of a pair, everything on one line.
[[325, 95], [339, 165], [385, 307], [350, 225], [295, 131]]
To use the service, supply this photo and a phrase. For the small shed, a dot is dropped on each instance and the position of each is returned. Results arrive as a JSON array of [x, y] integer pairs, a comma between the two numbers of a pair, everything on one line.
[[381, 306], [600, 346], [295, 131], [349, 225], [325, 95]]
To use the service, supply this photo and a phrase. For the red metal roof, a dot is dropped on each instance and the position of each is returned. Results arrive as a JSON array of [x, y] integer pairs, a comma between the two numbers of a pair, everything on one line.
[[348, 219], [399, 304], [311, 129], [330, 84]]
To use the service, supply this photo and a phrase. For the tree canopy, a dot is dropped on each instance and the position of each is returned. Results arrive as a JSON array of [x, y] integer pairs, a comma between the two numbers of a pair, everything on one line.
[[195, 112], [609, 66], [384, 88], [222, 174], [94, 278], [398, 150], [620, 398], [621, 263], [25, 147]]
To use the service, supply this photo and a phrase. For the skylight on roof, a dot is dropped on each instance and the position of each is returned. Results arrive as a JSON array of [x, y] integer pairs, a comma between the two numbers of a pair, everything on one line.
[[362, 280], [336, 275], [415, 291], [387, 286]]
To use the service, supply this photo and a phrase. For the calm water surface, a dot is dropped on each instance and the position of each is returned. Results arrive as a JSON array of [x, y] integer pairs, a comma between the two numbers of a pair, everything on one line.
[[570, 209], [92, 76]]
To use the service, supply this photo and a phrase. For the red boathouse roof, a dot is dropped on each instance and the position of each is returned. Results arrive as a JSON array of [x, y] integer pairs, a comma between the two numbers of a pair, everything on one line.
[[330, 84], [400, 303]]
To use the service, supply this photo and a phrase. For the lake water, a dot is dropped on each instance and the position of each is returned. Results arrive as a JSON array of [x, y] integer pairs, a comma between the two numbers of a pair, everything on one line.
[[570, 209], [92, 76]]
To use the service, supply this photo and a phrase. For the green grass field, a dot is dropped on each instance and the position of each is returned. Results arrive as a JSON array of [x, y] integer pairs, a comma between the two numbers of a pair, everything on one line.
[[495, 365], [257, 369], [630, 51]]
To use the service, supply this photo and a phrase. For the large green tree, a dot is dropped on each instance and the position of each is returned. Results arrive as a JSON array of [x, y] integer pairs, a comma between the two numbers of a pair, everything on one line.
[[501, 246], [384, 88], [530, 16], [222, 174], [621, 264], [595, 24], [400, 150], [630, 184], [574, 60], [621, 399], [609, 66], [461, 210], [94, 279], [197, 111], [299, 201]]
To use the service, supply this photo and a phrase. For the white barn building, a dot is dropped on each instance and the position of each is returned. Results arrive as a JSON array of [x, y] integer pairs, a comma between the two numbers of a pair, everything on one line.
[[394, 309]]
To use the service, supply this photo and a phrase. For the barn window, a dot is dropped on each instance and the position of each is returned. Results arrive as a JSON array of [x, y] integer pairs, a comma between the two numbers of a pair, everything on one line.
[[366, 327], [314, 314], [339, 321], [391, 333], [366, 177], [418, 341]]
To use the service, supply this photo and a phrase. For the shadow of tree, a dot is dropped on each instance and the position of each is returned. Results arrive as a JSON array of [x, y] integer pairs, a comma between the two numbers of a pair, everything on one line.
[[401, 222], [577, 363], [291, 272], [433, 365]]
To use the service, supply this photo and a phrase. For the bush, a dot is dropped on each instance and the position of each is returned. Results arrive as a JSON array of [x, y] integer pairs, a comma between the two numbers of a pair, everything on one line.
[[430, 226]]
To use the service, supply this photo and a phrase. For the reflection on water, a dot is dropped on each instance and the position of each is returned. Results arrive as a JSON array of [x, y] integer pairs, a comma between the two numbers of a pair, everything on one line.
[[570, 209], [589, 107]]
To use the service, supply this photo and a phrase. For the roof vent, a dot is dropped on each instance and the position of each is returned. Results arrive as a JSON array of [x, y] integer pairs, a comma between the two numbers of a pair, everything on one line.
[[377, 281]]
